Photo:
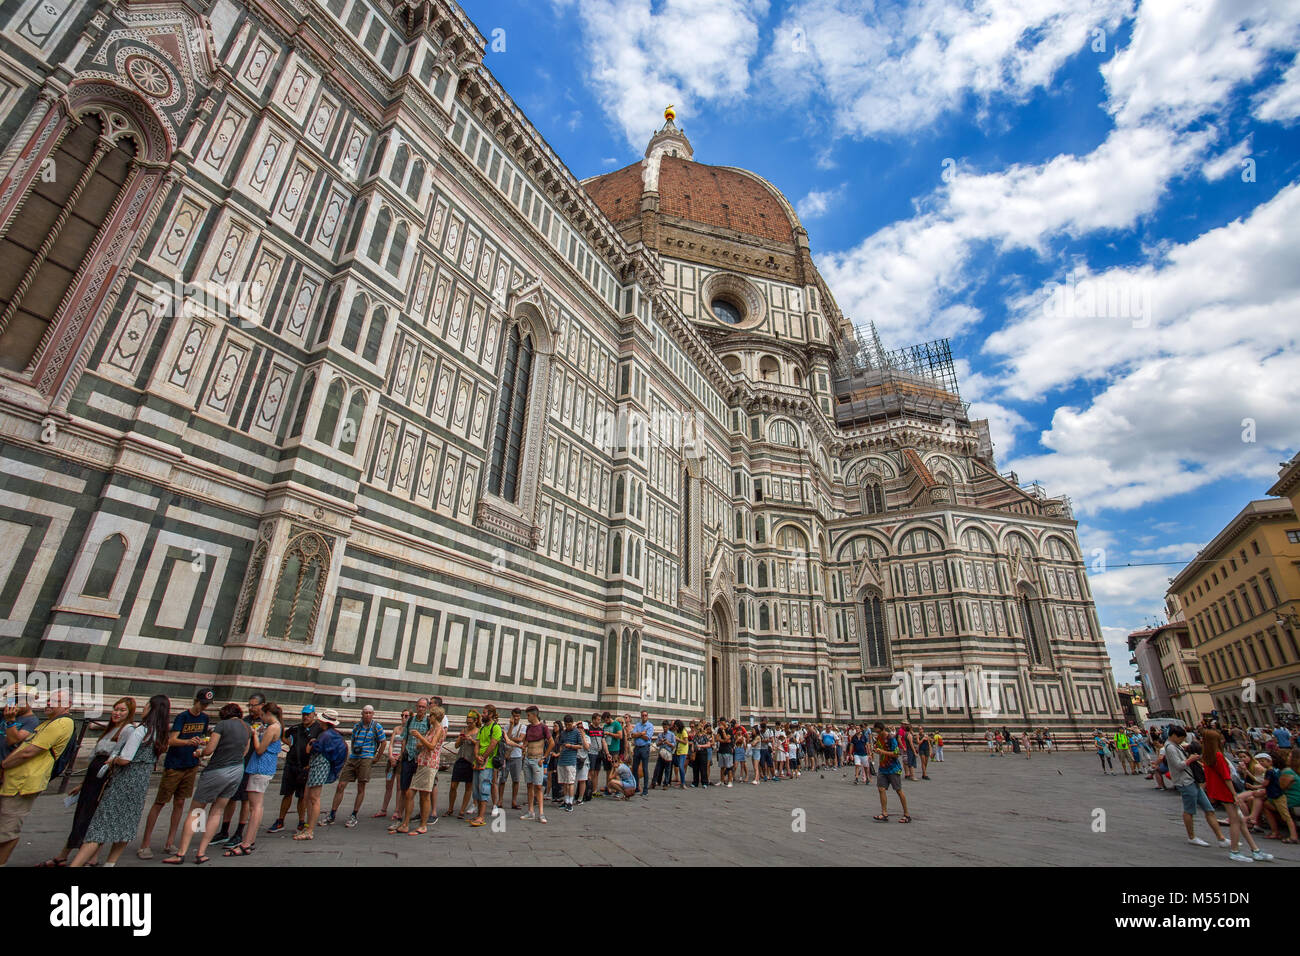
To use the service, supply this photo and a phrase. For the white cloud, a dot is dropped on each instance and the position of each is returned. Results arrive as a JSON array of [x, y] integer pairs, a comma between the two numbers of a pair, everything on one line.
[[641, 56], [895, 68], [1183, 551], [1229, 161], [817, 202], [1281, 103]]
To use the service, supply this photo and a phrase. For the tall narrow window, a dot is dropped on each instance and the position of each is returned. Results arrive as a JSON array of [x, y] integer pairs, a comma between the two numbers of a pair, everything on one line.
[[352, 423], [375, 335], [512, 407], [875, 648], [299, 591], [873, 498], [379, 236], [108, 561], [356, 321], [329, 415], [686, 527], [1033, 633], [49, 240]]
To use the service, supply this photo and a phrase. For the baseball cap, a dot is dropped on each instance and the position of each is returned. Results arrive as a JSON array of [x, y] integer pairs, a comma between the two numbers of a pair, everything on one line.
[[205, 694], [309, 709]]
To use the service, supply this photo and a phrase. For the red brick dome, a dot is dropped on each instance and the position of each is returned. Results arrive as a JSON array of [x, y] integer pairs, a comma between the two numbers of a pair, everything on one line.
[[719, 196]]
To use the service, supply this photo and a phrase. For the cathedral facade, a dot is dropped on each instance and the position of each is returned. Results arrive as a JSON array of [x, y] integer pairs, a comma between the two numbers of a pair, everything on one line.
[[322, 375]]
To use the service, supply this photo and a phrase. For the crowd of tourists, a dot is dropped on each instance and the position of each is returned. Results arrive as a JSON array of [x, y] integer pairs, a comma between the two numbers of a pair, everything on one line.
[[217, 769], [1252, 776]]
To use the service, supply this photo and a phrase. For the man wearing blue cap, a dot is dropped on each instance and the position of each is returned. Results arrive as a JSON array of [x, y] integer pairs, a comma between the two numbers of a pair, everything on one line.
[[294, 784]]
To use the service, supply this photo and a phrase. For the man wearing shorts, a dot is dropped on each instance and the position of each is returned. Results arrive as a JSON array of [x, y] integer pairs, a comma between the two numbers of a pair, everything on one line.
[[180, 770], [570, 743], [28, 766], [487, 745], [537, 744], [890, 773], [861, 746], [366, 744], [293, 785], [513, 765]]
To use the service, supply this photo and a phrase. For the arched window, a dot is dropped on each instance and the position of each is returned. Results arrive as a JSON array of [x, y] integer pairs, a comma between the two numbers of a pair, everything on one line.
[[626, 658], [1032, 625], [616, 555], [873, 497], [379, 235], [299, 590], [53, 235], [375, 335], [304, 404], [740, 615], [400, 161], [416, 183], [398, 250], [611, 658], [686, 527], [329, 415], [352, 423], [618, 495], [356, 321], [108, 561], [764, 617], [327, 322], [762, 574], [744, 687], [760, 530], [512, 407], [767, 687], [875, 643]]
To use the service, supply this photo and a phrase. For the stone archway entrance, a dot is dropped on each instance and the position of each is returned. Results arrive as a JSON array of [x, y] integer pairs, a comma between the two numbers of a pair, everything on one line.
[[720, 698]]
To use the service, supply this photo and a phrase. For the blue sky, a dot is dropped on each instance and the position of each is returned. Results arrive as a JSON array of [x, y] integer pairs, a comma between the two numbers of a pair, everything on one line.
[[1098, 201]]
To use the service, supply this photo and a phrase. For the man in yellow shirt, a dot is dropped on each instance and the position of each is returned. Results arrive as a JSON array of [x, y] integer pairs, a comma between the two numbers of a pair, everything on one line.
[[27, 769]]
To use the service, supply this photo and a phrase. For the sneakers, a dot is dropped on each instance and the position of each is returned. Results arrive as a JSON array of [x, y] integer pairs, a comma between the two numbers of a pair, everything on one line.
[[1225, 843], [352, 821], [529, 816], [1259, 856], [728, 786], [1197, 841], [1239, 857]]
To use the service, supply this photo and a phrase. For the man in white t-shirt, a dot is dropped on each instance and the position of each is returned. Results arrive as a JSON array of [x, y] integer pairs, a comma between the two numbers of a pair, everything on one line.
[[513, 765]]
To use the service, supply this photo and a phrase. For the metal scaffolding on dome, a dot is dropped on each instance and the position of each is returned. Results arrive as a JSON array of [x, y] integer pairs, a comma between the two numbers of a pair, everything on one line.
[[872, 384]]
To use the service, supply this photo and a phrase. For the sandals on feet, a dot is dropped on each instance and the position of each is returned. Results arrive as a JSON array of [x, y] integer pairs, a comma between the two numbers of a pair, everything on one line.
[[882, 817], [174, 859], [239, 850], [904, 819]]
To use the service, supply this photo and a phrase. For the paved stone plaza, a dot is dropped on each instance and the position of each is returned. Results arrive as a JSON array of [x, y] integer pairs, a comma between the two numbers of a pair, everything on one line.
[[976, 810]]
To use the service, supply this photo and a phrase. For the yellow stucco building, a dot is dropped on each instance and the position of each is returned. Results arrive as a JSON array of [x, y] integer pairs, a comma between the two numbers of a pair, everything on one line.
[[1241, 598]]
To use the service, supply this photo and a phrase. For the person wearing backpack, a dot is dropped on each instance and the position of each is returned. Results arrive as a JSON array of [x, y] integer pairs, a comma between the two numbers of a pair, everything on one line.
[[27, 768]]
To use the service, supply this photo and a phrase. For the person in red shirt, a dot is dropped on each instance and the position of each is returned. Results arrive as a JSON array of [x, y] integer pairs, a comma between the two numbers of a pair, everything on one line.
[[1218, 787]]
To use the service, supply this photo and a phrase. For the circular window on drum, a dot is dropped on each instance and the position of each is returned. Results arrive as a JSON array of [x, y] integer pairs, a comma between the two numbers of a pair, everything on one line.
[[732, 300], [727, 311]]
